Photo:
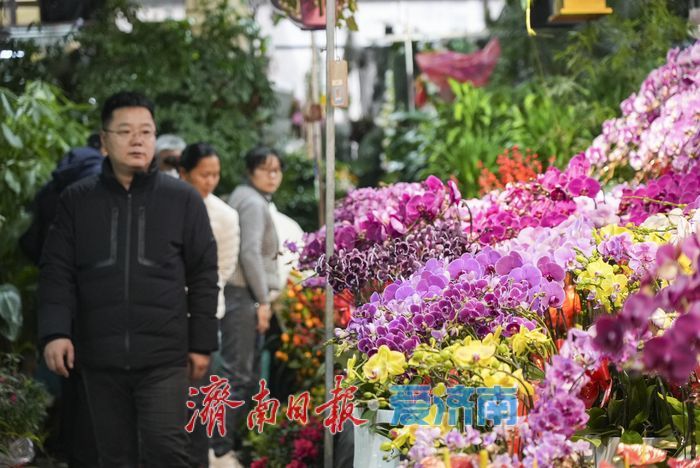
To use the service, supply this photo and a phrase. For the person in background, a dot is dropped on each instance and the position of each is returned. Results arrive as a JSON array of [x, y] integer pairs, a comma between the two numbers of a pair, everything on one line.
[[128, 292], [75, 165], [250, 291], [74, 434], [168, 150], [200, 167], [94, 141]]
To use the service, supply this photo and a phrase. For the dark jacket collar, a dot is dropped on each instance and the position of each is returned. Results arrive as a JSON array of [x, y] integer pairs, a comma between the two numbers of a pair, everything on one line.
[[141, 181]]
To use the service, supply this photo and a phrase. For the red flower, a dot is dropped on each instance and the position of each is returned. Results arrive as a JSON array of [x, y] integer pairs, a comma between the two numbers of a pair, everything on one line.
[[600, 381], [259, 463], [311, 433], [513, 166], [304, 449], [295, 464]]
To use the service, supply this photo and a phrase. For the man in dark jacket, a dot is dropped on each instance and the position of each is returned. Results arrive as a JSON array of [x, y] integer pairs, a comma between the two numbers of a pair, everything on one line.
[[75, 434], [132, 258]]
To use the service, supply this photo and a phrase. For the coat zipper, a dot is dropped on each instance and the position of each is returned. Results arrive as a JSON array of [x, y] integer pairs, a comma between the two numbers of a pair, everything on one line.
[[127, 253]]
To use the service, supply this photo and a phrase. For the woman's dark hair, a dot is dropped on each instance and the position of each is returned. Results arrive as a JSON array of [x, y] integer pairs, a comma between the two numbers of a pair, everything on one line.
[[124, 99], [257, 157], [193, 153]]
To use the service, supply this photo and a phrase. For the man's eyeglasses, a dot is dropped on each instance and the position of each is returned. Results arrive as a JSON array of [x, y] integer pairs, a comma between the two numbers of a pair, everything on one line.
[[128, 134]]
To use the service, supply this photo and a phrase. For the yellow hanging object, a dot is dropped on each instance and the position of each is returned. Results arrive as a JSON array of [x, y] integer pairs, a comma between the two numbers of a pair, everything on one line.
[[528, 25], [574, 11]]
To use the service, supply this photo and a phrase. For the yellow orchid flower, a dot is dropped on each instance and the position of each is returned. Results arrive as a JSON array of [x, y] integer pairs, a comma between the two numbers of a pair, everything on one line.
[[440, 390], [504, 377], [351, 374], [403, 435], [494, 337], [686, 264], [474, 353], [383, 364], [613, 230], [521, 341]]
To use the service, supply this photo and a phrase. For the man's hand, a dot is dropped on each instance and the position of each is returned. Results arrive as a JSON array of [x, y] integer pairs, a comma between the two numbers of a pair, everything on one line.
[[197, 365], [59, 356], [264, 315]]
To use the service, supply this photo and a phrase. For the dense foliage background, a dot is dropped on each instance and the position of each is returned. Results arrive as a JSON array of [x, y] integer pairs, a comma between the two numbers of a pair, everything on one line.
[[549, 93]]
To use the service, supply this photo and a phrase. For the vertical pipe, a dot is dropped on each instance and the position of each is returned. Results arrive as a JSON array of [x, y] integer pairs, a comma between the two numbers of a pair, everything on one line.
[[12, 6], [408, 56], [330, 203], [316, 136]]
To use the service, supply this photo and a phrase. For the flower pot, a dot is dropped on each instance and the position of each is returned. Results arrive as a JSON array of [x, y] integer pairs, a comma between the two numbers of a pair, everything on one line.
[[17, 453], [606, 452], [368, 453], [311, 16]]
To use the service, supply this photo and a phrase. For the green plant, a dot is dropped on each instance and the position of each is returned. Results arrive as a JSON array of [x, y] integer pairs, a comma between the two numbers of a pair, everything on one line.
[[23, 403], [208, 79], [403, 146], [296, 196], [38, 126], [469, 133], [610, 57]]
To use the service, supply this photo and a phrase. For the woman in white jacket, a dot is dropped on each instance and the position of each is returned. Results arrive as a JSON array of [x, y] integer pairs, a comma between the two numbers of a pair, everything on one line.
[[199, 166]]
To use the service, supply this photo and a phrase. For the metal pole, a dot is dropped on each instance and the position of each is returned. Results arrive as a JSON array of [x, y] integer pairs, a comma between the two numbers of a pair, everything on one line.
[[410, 85], [330, 204], [408, 58], [316, 136]]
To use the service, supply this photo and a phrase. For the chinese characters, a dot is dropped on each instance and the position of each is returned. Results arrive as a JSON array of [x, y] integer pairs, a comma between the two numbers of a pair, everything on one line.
[[412, 405], [213, 413]]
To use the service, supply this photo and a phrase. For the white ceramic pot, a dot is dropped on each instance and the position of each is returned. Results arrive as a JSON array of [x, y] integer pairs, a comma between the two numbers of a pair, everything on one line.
[[606, 452], [17, 453], [368, 453]]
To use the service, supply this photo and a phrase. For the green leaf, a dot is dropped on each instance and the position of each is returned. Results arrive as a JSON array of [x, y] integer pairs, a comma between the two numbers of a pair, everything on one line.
[[639, 418], [12, 182], [597, 418], [6, 105], [631, 437], [673, 402], [10, 312], [10, 137], [595, 441], [615, 411], [680, 421]]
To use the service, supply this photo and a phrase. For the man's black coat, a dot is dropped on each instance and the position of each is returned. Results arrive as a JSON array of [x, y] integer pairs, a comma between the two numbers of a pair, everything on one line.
[[136, 271]]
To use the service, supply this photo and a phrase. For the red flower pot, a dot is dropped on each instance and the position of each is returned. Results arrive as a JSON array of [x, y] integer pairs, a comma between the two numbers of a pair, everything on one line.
[[311, 16]]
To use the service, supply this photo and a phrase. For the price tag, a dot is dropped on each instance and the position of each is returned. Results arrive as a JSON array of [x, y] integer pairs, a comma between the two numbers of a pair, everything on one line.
[[339, 83]]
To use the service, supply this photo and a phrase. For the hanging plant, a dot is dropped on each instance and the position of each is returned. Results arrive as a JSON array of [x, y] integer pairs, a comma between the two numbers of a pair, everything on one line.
[[310, 15]]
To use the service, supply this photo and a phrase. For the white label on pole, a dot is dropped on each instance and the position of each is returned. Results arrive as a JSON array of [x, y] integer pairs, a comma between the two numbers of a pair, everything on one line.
[[339, 83]]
